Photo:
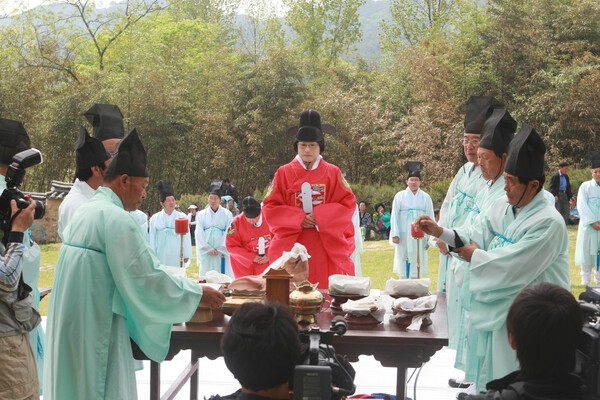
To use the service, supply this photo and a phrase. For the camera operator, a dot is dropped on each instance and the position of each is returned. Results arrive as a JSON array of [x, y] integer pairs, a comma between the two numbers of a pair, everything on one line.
[[13, 140], [18, 375], [544, 323], [261, 349]]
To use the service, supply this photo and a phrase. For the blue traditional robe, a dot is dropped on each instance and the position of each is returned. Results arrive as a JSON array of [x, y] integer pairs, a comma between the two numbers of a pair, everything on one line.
[[211, 234], [165, 242], [587, 251], [405, 209], [108, 287]]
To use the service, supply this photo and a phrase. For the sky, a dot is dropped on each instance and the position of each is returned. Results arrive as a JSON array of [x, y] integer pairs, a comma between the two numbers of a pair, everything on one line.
[[12, 6]]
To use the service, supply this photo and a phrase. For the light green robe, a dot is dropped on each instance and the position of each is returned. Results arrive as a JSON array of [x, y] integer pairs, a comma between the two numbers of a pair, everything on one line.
[[460, 278], [108, 286], [521, 251], [405, 209], [588, 239], [459, 206]]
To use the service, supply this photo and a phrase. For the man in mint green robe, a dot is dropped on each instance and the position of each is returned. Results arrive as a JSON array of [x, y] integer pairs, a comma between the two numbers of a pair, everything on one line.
[[497, 132], [587, 250], [110, 287], [523, 240]]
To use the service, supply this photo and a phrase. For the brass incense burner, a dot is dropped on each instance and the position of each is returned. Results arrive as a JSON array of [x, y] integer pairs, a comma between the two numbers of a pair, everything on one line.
[[306, 302]]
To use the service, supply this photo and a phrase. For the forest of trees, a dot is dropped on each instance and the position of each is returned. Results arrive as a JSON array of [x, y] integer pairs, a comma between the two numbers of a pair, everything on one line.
[[211, 98]]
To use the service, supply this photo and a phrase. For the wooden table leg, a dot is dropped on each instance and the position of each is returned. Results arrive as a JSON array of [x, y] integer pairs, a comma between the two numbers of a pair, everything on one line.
[[400, 383], [154, 380], [194, 377]]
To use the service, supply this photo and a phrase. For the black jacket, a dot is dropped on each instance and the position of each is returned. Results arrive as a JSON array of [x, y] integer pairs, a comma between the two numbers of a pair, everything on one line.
[[555, 184], [516, 386]]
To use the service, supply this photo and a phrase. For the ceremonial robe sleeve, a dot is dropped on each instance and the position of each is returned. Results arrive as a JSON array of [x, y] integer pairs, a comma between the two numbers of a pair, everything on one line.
[[395, 219], [497, 275], [586, 215], [239, 250], [149, 297], [285, 219], [338, 209], [444, 209], [152, 234]]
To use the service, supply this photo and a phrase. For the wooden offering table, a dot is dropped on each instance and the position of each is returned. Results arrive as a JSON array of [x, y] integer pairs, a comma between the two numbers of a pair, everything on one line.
[[389, 343]]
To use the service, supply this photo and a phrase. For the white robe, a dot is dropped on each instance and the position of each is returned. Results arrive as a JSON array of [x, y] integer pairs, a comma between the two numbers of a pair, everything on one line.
[[79, 194], [405, 209], [588, 239], [165, 242], [211, 233]]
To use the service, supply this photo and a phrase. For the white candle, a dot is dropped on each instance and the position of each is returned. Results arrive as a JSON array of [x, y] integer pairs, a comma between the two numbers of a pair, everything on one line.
[[261, 246]]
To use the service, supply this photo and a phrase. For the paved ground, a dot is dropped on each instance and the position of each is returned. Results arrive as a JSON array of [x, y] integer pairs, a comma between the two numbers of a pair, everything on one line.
[[371, 377]]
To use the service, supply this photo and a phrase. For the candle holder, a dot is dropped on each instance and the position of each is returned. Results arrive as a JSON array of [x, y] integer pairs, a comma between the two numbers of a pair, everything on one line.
[[417, 234], [181, 228]]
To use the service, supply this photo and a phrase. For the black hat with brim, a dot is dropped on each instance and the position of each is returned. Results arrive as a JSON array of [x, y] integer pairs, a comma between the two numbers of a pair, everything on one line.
[[526, 154], [129, 158]]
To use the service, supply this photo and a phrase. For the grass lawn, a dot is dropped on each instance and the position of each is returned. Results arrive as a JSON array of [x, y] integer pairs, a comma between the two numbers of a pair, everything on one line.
[[377, 260]]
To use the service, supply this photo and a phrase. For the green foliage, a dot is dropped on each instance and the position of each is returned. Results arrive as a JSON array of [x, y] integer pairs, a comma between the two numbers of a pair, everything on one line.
[[209, 103], [324, 29]]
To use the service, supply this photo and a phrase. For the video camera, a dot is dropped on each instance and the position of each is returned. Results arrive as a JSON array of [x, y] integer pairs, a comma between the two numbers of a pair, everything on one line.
[[587, 364], [323, 375], [14, 177]]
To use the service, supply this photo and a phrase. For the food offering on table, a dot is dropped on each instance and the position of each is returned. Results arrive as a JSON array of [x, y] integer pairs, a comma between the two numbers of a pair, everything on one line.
[[368, 311], [295, 262], [215, 277], [411, 288], [206, 314], [413, 313], [345, 287], [306, 302], [242, 290]]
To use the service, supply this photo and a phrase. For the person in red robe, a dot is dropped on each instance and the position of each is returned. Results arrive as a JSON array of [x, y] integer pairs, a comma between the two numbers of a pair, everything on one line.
[[248, 257], [323, 221]]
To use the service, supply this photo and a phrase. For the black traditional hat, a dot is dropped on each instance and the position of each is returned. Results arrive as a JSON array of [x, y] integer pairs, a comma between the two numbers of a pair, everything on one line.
[[89, 151], [414, 169], [107, 121], [13, 140], [165, 189], [215, 187], [498, 131], [595, 158], [479, 109], [251, 207], [526, 154], [310, 129], [129, 158]]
